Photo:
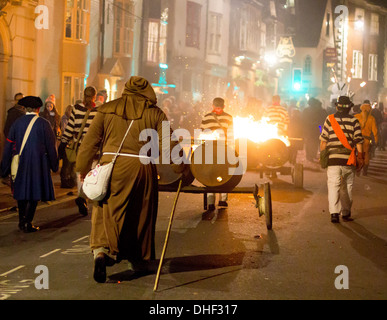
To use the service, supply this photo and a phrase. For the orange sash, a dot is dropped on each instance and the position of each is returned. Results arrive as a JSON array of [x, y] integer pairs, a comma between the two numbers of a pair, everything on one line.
[[343, 139]]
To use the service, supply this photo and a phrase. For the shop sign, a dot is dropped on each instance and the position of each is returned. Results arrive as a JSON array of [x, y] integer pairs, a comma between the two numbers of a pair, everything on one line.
[[330, 54], [286, 48]]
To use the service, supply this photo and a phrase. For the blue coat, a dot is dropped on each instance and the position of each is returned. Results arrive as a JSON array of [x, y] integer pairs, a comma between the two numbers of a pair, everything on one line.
[[33, 180]]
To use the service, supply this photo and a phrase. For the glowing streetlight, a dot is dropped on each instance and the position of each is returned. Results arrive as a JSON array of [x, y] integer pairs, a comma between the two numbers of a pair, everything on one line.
[[270, 58], [363, 84]]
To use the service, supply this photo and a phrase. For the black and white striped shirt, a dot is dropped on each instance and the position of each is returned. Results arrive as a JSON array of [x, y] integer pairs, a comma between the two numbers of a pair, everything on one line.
[[225, 122], [279, 116], [338, 154], [75, 122]]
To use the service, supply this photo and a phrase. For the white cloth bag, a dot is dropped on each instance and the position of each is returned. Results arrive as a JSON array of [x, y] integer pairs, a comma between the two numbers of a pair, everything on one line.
[[97, 181]]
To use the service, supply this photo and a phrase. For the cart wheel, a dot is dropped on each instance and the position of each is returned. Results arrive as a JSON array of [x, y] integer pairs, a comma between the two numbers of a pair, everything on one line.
[[298, 175], [268, 207]]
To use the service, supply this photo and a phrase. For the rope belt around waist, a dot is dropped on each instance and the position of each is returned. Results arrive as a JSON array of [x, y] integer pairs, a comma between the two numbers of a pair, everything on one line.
[[126, 155]]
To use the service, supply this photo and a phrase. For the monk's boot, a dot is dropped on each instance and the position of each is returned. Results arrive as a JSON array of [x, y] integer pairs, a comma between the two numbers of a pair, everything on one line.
[[100, 268]]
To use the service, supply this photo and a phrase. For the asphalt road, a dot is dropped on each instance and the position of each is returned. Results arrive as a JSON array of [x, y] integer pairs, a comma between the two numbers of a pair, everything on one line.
[[225, 255]]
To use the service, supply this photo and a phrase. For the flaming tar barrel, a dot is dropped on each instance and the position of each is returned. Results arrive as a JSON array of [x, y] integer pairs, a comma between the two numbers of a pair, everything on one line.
[[272, 153], [213, 164]]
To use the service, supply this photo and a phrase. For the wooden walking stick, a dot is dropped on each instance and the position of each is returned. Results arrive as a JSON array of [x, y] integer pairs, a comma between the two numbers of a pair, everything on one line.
[[167, 236]]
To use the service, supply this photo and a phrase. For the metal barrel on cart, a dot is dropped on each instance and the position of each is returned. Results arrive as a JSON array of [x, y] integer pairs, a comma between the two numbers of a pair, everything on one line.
[[216, 164], [273, 155]]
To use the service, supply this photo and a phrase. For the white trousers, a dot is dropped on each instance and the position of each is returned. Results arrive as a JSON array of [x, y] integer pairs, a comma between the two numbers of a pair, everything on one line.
[[211, 197], [340, 184]]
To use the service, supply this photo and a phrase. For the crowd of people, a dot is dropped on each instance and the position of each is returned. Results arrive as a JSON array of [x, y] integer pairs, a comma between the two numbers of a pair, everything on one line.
[[123, 225]]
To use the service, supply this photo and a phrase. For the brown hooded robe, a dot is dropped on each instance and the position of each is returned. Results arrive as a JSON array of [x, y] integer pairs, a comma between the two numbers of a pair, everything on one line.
[[125, 221]]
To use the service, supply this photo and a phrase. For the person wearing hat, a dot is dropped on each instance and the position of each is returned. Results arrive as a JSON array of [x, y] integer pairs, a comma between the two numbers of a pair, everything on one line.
[[342, 146], [51, 114], [123, 224], [368, 127], [33, 182]]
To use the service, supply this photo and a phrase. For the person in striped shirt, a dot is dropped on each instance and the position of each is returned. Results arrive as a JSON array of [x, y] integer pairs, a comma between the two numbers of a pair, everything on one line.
[[217, 119], [278, 115], [340, 172], [71, 133]]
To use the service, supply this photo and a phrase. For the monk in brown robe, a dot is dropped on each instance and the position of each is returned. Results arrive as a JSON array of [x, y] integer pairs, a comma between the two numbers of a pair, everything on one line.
[[123, 225]]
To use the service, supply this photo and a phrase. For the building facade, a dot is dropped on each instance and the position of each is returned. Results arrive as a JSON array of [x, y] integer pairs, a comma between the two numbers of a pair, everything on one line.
[[208, 48], [114, 47], [59, 47], [192, 49], [314, 44], [361, 42]]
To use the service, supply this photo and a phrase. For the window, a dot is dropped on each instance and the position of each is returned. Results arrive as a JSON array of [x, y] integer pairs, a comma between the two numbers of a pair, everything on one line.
[[243, 31], [73, 86], [193, 25], [157, 41], [373, 67], [153, 41], [77, 16], [273, 11], [215, 27], [328, 25], [111, 89], [249, 38], [308, 65], [163, 41], [290, 3], [374, 28], [123, 26], [263, 35], [357, 64], [359, 19]]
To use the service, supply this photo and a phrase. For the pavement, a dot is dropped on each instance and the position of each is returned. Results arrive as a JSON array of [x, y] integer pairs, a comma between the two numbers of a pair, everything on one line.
[[8, 204]]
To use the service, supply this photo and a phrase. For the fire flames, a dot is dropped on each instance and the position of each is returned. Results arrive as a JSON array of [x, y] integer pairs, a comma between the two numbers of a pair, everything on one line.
[[256, 131]]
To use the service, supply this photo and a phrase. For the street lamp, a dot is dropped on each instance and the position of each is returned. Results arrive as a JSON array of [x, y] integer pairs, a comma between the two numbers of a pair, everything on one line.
[[270, 58]]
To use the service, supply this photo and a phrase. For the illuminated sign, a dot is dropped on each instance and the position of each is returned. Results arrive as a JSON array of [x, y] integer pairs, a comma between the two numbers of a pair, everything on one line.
[[330, 55], [286, 48]]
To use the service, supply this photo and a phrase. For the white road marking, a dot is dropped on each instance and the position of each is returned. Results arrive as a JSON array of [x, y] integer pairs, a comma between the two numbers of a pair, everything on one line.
[[51, 252], [10, 271], [80, 239]]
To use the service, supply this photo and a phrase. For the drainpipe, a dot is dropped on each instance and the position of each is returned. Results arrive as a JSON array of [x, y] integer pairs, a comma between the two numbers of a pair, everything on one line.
[[102, 27]]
